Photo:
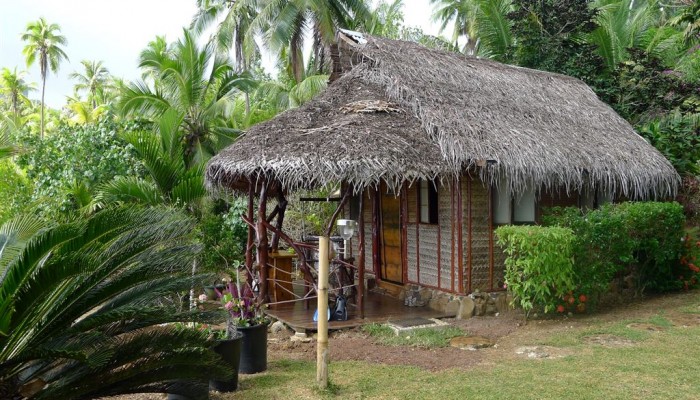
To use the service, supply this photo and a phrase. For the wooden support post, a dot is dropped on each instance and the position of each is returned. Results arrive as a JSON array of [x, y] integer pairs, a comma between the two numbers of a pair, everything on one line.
[[262, 244], [281, 208], [376, 210], [251, 236], [361, 258], [322, 341]]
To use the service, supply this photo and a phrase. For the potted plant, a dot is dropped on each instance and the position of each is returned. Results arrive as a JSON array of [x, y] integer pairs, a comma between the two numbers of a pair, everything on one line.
[[228, 346], [245, 316], [197, 389]]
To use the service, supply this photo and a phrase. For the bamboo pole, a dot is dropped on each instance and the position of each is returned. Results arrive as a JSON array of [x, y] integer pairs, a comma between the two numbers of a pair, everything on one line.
[[322, 342], [262, 244]]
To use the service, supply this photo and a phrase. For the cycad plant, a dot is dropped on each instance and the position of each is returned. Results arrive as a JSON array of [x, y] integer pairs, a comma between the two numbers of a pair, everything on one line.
[[81, 314]]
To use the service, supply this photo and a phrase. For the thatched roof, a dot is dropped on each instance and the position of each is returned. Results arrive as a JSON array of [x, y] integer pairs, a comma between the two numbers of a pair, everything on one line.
[[441, 114]]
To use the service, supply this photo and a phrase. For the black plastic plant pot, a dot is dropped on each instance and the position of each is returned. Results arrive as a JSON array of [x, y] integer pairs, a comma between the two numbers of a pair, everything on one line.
[[190, 390], [230, 352], [253, 349]]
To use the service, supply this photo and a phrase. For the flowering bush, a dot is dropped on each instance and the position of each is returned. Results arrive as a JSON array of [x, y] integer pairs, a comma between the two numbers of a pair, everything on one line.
[[573, 303], [241, 305]]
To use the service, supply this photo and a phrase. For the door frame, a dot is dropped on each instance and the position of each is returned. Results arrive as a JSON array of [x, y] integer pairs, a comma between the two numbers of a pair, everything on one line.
[[378, 230]]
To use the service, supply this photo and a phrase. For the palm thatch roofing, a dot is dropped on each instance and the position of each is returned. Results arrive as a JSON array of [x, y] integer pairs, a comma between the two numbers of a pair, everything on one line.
[[402, 112]]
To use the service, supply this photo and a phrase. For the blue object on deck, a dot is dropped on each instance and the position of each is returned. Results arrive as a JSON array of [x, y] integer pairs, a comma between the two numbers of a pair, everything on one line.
[[316, 315]]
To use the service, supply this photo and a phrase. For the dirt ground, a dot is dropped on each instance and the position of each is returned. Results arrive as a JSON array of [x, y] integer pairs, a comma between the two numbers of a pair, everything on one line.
[[511, 334], [509, 331]]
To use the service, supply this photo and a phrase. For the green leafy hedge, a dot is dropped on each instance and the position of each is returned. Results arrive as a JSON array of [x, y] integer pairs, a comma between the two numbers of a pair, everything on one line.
[[539, 266], [639, 240], [576, 256]]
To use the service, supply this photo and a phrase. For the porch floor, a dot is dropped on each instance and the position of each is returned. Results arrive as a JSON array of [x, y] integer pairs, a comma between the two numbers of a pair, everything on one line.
[[379, 308]]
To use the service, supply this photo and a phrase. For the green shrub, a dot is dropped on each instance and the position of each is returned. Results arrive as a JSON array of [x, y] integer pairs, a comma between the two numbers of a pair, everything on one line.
[[224, 235], [539, 264], [84, 155], [641, 240]]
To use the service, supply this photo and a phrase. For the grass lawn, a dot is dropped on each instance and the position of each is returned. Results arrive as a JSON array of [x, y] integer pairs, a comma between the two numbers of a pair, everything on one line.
[[663, 364]]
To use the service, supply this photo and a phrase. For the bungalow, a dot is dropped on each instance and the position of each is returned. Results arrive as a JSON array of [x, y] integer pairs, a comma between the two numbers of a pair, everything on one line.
[[434, 150]]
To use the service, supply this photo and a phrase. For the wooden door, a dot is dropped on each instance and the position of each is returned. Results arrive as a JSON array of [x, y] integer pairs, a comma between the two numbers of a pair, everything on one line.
[[390, 246]]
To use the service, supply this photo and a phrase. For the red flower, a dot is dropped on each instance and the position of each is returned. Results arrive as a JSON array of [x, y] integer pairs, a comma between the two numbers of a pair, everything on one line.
[[582, 298], [572, 300], [560, 308], [693, 268]]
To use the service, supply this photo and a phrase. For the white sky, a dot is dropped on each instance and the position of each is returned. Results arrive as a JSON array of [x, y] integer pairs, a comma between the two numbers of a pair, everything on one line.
[[114, 31]]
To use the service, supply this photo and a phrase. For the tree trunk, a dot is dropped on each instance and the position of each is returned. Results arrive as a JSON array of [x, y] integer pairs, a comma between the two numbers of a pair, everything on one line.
[[43, 90]]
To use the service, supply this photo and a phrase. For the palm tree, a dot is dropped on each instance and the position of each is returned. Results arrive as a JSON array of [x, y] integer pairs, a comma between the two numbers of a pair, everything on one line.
[[170, 179], [198, 84], [81, 310], [385, 20], [236, 19], [13, 85], [93, 81], [231, 32], [484, 24], [43, 41], [461, 14], [282, 96], [83, 112], [283, 24], [622, 24]]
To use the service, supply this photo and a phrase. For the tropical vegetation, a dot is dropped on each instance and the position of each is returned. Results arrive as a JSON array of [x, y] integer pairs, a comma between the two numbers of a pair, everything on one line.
[[68, 175]]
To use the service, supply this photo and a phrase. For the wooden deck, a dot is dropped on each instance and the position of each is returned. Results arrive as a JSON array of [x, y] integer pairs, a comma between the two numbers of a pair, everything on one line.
[[378, 308]]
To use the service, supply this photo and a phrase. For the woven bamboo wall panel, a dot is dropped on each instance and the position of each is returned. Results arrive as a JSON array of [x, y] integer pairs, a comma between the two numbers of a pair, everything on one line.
[[412, 254], [445, 220], [464, 187], [428, 254], [480, 236], [367, 212]]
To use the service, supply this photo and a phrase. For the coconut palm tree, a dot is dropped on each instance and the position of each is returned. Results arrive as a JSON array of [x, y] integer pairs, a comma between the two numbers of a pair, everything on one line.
[[284, 23], [385, 19], [170, 179], [93, 81], [461, 14], [235, 22], [622, 24], [15, 88], [81, 314], [198, 84], [483, 23], [84, 112], [43, 42]]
